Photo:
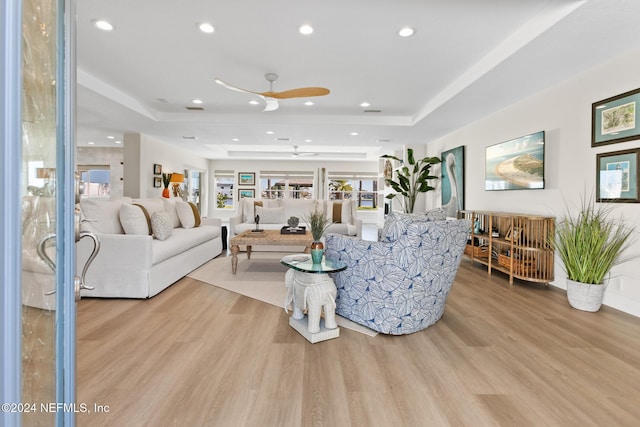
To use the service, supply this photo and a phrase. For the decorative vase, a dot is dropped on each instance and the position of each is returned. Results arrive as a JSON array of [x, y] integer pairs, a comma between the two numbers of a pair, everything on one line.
[[165, 193], [584, 296], [317, 251]]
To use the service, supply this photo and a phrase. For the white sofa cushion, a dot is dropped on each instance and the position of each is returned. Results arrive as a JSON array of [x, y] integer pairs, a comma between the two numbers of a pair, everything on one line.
[[300, 208], [249, 204], [135, 219], [170, 208], [182, 239], [188, 214], [271, 215], [161, 225], [102, 215]]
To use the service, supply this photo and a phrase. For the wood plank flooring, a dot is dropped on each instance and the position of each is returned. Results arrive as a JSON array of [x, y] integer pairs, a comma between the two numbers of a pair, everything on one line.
[[197, 355]]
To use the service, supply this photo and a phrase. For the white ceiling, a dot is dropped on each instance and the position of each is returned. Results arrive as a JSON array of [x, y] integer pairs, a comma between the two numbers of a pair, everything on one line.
[[467, 59]]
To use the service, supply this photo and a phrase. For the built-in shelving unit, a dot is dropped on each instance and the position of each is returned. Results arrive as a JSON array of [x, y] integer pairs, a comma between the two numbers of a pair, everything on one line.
[[515, 244]]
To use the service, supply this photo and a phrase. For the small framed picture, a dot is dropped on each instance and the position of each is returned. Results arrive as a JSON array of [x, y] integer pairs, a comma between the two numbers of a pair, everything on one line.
[[615, 119], [513, 235], [157, 169], [246, 178], [242, 193], [157, 182], [617, 176]]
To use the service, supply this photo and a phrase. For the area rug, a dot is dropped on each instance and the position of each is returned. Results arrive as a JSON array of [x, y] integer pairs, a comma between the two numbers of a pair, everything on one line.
[[260, 278]]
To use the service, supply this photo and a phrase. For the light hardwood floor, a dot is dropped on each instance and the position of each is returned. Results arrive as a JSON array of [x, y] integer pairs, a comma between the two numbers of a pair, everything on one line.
[[197, 355]]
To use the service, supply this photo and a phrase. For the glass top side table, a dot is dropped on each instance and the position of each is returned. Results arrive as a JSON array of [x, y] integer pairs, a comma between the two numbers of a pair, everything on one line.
[[310, 287]]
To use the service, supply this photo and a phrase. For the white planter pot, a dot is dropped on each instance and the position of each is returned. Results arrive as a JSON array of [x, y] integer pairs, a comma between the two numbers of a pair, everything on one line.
[[584, 296]]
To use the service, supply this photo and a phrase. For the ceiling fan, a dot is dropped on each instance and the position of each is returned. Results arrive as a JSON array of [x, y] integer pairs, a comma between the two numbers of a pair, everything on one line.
[[295, 153], [271, 97]]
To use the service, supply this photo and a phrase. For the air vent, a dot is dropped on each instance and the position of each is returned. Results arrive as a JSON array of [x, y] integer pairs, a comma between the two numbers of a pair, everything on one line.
[[194, 108], [283, 139], [190, 137], [373, 111], [162, 100]]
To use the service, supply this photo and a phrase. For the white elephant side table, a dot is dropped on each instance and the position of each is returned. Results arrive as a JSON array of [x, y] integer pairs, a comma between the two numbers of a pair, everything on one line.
[[310, 288]]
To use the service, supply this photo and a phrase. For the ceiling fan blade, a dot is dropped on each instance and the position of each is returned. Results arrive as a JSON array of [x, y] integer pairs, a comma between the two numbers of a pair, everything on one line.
[[303, 92], [237, 89], [272, 103]]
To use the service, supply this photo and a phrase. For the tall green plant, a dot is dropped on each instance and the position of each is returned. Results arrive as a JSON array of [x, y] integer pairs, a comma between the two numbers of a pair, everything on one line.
[[590, 244], [412, 178], [318, 224]]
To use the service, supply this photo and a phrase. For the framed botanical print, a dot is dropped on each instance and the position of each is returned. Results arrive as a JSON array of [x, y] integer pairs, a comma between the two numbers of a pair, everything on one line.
[[615, 119]]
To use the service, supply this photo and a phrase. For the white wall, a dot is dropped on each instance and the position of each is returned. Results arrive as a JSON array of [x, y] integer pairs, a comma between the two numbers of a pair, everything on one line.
[[256, 166], [564, 113], [142, 152]]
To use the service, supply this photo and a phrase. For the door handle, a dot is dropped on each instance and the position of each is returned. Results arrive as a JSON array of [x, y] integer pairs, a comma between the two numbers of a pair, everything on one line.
[[79, 282]]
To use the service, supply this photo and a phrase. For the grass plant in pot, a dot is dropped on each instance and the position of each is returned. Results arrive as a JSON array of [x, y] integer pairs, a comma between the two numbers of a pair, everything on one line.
[[589, 244], [318, 224]]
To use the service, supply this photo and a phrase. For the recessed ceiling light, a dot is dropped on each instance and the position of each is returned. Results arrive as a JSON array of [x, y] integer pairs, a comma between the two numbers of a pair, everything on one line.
[[118, 142], [90, 142], [308, 103], [365, 104], [103, 25], [111, 137], [406, 32], [205, 27], [253, 102], [270, 132], [235, 139], [354, 134], [306, 29], [308, 140], [197, 101]]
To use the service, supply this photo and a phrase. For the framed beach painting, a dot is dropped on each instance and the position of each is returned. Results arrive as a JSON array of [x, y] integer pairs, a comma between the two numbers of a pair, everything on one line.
[[452, 190], [615, 119], [246, 192], [246, 178], [617, 176], [517, 164]]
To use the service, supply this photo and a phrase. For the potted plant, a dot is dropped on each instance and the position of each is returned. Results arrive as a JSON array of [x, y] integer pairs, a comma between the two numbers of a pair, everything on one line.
[[166, 179], [589, 245], [412, 179], [318, 224]]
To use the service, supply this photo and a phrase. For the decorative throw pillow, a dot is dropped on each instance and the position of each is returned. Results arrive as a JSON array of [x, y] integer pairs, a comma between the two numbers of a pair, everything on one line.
[[170, 208], [339, 211], [188, 214], [135, 219], [161, 225], [271, 215], [196, 214]]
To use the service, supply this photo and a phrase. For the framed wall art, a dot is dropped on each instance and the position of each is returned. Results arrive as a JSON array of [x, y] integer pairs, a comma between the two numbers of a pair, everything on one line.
[[517, 164], [615, 119], [452, 191], [617, 176], [246, 178], [157, 182], [248, 192], [157, 169]]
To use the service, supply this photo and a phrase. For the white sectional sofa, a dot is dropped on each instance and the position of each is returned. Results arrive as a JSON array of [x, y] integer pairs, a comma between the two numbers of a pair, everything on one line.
[[274, 214], [131, 262]]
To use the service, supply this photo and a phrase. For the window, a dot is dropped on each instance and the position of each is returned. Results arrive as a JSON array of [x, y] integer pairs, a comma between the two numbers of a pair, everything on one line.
[[362, 187], [293, 185], [95, 180], [224, 189]]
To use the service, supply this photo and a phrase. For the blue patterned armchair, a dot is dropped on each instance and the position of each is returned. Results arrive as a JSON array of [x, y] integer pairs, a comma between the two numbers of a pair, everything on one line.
[[398, 285]]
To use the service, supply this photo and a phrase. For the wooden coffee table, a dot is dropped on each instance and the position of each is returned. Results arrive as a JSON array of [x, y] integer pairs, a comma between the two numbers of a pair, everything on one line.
[[267, 237]]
